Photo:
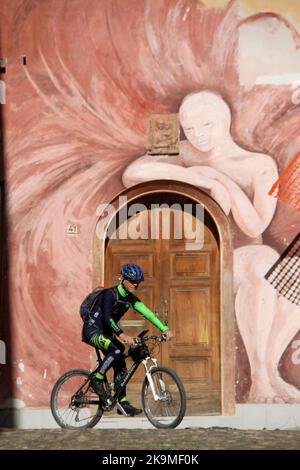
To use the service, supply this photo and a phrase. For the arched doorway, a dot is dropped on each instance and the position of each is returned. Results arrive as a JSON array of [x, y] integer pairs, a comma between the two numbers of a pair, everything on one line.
[[190, 288]]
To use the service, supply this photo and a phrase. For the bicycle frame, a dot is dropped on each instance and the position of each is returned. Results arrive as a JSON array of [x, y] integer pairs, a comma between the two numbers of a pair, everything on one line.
[[110, 402]]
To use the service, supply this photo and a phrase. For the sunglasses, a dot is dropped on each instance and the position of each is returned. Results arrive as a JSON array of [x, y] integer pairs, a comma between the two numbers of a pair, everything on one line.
[[133, 283]]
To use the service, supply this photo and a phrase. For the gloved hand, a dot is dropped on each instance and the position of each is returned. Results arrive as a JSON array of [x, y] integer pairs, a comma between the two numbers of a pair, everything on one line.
[[127, 339], [168, 334]]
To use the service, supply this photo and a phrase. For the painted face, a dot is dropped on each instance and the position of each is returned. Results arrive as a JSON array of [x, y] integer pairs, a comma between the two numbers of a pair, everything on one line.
[[199, 131], [204, 121]]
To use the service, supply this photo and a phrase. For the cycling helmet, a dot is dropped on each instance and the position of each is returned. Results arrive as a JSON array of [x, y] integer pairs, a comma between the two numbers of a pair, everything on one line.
[[132, 272]]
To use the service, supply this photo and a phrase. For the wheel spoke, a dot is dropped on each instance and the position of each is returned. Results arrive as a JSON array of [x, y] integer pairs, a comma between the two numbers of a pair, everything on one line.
[[169, 409], [69, 401]]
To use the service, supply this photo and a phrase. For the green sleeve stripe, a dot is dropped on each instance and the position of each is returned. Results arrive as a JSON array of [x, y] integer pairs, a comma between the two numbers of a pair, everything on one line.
[[115, 327], [149, 315]]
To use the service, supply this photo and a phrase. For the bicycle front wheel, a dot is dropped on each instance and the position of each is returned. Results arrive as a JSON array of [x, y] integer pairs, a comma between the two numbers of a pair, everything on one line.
[[164, 399], [70, 401]]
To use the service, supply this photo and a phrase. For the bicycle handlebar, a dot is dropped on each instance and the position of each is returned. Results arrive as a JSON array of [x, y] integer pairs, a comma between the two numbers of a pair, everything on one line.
[[143, 339]]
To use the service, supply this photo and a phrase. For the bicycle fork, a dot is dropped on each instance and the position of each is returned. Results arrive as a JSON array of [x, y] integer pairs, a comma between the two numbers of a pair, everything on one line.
[[149, 377]]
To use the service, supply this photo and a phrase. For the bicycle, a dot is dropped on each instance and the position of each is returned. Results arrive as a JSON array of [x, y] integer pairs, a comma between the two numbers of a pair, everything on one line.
[[75, 405]]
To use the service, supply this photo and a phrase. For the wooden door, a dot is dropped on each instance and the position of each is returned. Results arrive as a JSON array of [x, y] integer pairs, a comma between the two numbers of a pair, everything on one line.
[[182, 286], [146, 253]]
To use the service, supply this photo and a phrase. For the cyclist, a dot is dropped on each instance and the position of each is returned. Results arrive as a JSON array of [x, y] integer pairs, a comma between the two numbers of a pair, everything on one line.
[[101, 330]]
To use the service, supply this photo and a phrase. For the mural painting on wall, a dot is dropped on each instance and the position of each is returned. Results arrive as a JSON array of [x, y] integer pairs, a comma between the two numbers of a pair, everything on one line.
[[284, 275], [287, 187], [238, 180], [82, 132]]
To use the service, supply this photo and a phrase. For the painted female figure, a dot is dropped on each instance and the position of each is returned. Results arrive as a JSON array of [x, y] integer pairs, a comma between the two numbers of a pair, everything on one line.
[[239, 180]]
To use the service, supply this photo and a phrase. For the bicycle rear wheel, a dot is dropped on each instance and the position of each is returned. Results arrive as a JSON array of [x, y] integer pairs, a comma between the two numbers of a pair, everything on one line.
[[69, 401], [167, 409]]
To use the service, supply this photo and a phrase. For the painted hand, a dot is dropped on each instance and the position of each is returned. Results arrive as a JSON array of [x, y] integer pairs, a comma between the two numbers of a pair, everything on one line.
[[221, 196], [218, 191]]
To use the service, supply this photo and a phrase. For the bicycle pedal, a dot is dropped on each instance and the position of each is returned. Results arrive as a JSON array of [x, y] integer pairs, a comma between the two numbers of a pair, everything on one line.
[[121, 409]]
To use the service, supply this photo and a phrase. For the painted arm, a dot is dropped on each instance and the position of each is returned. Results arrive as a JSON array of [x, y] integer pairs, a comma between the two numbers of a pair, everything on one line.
[[143, 169], [252, 217]]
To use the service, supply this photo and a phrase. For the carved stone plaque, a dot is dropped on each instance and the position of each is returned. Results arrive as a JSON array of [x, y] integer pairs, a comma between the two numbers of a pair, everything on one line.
[[163, 134]]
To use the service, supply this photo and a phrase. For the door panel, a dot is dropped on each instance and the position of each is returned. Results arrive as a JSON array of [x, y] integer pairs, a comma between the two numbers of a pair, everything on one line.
[[183, 287], [190, 300], [183, 302]]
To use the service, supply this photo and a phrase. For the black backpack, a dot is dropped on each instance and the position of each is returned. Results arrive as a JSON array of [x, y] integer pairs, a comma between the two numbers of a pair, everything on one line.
[[89, 302]]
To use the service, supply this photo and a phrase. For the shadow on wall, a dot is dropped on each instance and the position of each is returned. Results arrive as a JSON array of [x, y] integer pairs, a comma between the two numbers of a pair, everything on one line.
[[6, 382]]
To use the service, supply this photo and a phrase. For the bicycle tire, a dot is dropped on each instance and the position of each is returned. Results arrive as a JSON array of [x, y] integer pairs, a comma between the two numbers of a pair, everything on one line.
[[82, 375], [171, 380]]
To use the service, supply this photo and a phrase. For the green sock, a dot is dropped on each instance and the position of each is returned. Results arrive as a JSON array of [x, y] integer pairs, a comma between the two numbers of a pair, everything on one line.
[[99, 376], [123, 399]]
